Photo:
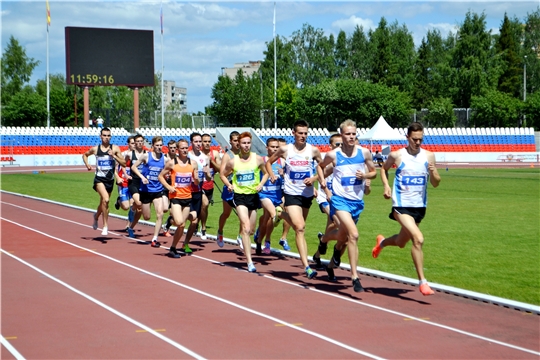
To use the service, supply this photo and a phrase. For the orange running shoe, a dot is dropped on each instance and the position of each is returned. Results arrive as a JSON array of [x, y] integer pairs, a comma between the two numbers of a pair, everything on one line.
[[167, 234], [426, 290], [377, 249]]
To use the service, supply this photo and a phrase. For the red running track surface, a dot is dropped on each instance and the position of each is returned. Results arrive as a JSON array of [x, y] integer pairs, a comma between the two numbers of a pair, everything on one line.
[[68, 292]]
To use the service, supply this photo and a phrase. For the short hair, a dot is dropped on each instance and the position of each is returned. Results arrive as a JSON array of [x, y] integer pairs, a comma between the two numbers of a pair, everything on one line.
[[193, 135], [182, 141], [130, 138], [269, 140], [346, 123], [333, 137], [104, 129], [233, 134], [171, 142], [282, 140], [155, 139], [245, 134], [415, 126], [138, 136], [207, 135], [300, 123]]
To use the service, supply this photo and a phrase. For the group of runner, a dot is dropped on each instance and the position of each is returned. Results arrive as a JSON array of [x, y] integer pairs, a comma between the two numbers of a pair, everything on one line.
[[281, 183]]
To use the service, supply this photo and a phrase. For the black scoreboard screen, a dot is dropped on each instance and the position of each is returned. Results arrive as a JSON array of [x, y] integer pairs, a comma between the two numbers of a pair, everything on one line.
[[109, 57]]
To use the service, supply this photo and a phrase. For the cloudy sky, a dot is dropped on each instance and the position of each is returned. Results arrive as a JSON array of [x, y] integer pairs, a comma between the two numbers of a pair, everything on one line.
[[202, 37]]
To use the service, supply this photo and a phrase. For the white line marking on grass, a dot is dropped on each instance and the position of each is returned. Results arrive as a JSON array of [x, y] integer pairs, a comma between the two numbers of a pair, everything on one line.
[[225, 301], [106, 307], [17, 355], [309, 288]]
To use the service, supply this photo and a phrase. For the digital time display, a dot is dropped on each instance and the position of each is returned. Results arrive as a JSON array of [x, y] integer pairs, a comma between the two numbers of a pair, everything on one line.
[[109, 57]]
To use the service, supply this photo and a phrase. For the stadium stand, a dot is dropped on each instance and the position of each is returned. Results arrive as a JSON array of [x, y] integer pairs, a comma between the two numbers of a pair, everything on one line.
[[71, 140]]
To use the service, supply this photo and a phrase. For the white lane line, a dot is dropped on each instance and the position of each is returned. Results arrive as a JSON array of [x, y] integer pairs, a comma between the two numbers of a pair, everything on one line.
[[17, 355], [456, 330], [249, 310], [106, 307]]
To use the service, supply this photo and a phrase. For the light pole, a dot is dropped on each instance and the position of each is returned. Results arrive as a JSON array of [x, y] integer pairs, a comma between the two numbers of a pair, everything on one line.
[[262, 113], [524, 89]]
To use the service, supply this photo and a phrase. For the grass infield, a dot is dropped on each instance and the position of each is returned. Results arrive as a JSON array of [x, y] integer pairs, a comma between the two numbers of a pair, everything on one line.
[[481, 230]]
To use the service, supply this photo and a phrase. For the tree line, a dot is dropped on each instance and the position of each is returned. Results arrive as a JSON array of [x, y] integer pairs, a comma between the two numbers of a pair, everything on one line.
[[326, 79]]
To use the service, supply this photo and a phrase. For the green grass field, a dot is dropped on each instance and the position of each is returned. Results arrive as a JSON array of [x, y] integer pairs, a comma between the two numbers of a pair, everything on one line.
[[482, 230]]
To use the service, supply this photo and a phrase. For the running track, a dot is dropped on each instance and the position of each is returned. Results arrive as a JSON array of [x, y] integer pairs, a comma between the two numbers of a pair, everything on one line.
[[67, 292]]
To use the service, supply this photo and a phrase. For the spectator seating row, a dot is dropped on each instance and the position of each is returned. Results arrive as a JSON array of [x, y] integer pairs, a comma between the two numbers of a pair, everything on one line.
[[64, 140]]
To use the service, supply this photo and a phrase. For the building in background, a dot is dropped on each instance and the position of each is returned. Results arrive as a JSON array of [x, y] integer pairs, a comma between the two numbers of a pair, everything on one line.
[[174, 95], [248, 69]]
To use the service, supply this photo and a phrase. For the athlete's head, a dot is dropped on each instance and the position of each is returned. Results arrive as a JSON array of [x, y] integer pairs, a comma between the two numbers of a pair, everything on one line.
[[300, 131], [183, 148], [415, 136], [196, 141], [348, 132], [335, 141], [233, 139], [157, 144], [245, 142], [206, 142], [171, 145], [272, 145], [139, 142], [131, 142]]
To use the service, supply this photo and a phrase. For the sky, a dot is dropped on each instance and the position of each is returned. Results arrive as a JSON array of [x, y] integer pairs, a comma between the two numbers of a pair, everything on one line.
[[199, 38]]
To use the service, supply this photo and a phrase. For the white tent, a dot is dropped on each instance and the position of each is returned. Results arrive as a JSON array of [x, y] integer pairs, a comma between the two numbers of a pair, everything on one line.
[[382, 131]]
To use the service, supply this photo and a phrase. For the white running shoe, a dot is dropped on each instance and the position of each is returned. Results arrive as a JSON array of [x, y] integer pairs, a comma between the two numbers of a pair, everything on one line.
[[240, 242], [220, 241], [104, 231], [251, 268]]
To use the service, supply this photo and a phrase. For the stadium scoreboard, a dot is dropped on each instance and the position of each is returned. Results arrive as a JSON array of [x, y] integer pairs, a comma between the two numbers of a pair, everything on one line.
[[109, 57]]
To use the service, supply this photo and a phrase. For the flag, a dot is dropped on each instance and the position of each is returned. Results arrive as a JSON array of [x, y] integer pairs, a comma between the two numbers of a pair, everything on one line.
[[161, 17], [48, 13]]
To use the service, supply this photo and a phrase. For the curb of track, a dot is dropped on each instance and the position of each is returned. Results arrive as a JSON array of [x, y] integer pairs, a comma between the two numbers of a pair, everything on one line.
[[495, 300]]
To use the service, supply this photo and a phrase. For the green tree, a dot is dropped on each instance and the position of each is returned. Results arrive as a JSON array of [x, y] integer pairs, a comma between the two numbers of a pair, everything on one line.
[[531, 49], [359, 66], [507, 48], [287, 104], [17, 69], [62, 100], [531, 110], [496, 109], [381, 52], [441, 113], [26, 108], [341, 56]]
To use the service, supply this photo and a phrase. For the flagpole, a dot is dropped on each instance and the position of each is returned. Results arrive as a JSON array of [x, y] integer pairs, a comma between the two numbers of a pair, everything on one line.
[[275, 71], [48, 86], [162, 75]]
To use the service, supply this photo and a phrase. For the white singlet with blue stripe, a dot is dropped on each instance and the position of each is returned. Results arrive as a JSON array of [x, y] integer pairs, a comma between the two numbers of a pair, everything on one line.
[[410, 182], [345, 183], [298, 166]]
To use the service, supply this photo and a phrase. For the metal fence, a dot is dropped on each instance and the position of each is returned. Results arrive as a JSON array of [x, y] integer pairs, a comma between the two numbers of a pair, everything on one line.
[[463, 117]]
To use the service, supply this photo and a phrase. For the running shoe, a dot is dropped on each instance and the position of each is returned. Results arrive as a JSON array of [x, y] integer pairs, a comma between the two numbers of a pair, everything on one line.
[[267, 249], [322, 246], [187, 249], [336, 257], [317, 261], [117, 203], [220, 241], [276, 219], [310, 273], [95, 223], [426, 290], [251, 268], [357, 286], [331, 276], [203, 234], [377, 249], [167, 234], [240, 242], [284, 244], [258, 248], [155, 244], [131, 233], [173, 254], [104, 231]]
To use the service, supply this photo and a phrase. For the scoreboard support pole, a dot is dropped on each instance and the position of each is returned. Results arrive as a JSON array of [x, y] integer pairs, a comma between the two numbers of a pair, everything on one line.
[[86, 101], [135, 108]]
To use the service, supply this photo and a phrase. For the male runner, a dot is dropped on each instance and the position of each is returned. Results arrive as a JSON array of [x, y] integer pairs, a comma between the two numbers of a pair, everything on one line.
[[299, 180], [134, 183], [183, 172], [414, 168], [246, 168], [208, 185], [227, 197], [352, 165], [151, 190], [106, 155]]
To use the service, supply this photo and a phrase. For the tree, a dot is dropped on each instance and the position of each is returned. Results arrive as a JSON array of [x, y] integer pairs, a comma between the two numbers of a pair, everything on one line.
[[17, 69], [496, 109], [379, 45], [341, 56], [61, 96], [532, 110], [26, 108], [359, 65], [507, 48], [531, 49], [441, 113]]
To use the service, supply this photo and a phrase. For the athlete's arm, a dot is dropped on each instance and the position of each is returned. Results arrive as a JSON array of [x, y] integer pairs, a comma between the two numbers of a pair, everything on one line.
[[384, 173], [161, 177], [216, 161], [316, 154], [262, 167], [89, 152], [195, 167], [372, 173], [117, 155], [226, 170], [135, 170], [281, 152], [434, 177], [321, 165]]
